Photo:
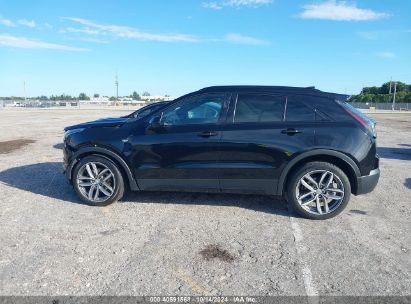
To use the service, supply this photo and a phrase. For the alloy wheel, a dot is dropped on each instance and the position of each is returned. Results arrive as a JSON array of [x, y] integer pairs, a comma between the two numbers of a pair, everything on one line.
[[320, 192], [96, 182]]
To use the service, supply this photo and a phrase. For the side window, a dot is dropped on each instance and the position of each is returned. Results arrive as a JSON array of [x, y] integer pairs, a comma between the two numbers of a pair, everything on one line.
[[259, 108], [298, 111], [202, 109]]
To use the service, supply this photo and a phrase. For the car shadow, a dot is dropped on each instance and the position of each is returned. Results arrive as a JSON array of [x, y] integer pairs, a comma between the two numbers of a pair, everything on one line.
[[407, 183], [258, 203], [47, 179], [395, 153], [59, 146]]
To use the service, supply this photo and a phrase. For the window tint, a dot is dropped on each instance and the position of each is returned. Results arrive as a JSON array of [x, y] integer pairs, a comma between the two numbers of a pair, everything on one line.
[[259, 108], [298, 111], [143, 112], [195, 110]]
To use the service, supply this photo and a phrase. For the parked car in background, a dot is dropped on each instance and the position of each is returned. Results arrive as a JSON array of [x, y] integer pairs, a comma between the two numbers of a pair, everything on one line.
[[308, 146]]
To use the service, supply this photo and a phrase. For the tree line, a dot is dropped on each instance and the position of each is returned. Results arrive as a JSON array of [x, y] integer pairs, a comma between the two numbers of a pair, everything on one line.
[[382, 94]]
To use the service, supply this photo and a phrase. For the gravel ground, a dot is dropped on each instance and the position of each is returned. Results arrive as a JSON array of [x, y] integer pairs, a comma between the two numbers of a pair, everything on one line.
[[188, 243]]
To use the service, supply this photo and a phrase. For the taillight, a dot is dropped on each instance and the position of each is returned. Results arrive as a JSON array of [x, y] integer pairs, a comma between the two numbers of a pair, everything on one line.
[[369, 126], [359, 119]]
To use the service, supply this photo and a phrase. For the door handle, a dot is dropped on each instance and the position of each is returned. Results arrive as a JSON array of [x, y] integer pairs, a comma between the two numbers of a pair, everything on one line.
[[291, 131], [207, 134]]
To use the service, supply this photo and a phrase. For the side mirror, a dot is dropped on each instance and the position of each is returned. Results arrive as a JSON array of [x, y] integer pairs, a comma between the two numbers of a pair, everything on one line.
[[155, 122]]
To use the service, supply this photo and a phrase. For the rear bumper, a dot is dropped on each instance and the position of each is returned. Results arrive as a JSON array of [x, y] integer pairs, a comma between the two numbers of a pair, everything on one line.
[[366, 184]]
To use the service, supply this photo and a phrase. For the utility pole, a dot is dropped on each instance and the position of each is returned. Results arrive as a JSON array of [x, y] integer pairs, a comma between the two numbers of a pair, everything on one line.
[[393, 99], [116, 84], [24, 88]]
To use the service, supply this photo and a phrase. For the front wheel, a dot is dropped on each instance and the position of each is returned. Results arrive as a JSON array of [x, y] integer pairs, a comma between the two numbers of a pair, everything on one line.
[[98, 181], [318, 190]]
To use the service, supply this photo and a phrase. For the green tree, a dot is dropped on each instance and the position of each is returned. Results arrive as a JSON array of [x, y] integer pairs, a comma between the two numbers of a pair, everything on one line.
[[112, 98], [96, 95], [146, 93], [135, 96], [83, 96], [381, 94]]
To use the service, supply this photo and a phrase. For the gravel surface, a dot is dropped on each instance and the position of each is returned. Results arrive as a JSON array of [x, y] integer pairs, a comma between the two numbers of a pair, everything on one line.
[[189, 243]]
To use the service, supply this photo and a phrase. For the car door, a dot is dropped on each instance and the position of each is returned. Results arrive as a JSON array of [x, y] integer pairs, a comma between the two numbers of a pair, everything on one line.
[[182, 150], [260, 138]]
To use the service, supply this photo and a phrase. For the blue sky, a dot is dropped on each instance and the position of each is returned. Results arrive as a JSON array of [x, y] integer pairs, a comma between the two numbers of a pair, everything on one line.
[[177, 46]]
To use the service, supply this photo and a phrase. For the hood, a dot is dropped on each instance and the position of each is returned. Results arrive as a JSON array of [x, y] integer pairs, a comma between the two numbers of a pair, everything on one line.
[[100, 123]]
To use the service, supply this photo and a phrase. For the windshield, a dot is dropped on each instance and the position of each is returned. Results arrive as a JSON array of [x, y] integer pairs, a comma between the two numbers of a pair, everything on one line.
[[147, 110]]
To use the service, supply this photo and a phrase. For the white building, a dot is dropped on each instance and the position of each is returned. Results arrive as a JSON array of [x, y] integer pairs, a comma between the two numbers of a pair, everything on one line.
[[154, 98], [98, 100]]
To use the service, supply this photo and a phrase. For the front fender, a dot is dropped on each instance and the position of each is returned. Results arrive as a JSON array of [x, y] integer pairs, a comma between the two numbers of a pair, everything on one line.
[[103, 152]]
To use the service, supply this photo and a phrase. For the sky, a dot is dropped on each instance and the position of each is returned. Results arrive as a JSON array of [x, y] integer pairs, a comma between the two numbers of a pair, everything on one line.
[[177, 46]]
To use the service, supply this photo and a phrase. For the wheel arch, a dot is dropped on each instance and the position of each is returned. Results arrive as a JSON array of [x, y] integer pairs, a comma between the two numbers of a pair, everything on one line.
[[108, 154], [344, 162]]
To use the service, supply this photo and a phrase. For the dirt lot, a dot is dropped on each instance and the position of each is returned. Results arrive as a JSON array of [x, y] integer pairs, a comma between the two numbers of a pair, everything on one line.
[[188, 243]]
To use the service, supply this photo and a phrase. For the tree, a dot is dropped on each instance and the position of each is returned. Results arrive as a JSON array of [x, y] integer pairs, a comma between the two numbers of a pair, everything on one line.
[[83, 96], [135, 96], [382, 94], [112, 98], [146, 93], [96, 95]]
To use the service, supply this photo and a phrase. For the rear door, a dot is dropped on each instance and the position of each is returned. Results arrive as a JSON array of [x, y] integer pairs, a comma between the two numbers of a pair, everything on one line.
[[263, 132]]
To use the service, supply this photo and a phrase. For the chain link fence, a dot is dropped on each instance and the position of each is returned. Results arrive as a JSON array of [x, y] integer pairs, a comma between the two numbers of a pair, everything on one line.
[[401, 106]]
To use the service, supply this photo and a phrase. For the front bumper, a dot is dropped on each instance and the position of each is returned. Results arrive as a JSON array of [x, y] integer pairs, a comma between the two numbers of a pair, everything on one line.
[[366, 184], [68, 162]]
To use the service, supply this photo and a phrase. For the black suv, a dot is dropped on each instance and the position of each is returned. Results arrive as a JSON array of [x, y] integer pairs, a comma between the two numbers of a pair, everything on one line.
[[309, 146]]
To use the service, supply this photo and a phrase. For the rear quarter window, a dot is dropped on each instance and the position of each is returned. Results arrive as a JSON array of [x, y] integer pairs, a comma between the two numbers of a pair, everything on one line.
[[296, 110]]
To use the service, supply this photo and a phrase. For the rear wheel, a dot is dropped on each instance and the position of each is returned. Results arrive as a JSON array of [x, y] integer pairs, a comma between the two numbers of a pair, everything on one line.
[[98, 181], [319, 190]]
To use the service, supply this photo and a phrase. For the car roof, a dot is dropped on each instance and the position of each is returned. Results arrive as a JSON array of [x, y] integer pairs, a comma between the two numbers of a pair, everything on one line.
[[274, 89]]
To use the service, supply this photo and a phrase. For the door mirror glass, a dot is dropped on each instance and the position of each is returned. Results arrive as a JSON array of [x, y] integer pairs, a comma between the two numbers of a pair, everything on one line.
[[155, 121]]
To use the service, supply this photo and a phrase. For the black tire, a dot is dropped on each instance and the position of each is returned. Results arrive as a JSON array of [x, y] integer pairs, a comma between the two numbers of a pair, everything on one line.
[[117, 180], [295, 178]]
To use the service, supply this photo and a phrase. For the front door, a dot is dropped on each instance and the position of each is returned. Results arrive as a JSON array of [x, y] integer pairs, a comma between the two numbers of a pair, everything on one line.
[[182, 151]]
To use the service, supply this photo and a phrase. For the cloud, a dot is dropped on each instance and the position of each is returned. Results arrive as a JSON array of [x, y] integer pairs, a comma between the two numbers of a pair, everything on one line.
[[129, 32], [386, 55], [25, 22], [217, 5], [383, 34], [212, 5], [94, 40], [82, 30], [99, 30], [340, 11], [241, 39], [6, 22], [21, 42]]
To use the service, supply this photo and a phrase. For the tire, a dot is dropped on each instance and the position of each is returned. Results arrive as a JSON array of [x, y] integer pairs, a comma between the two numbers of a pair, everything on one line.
[[326, 201], [108, 183]]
